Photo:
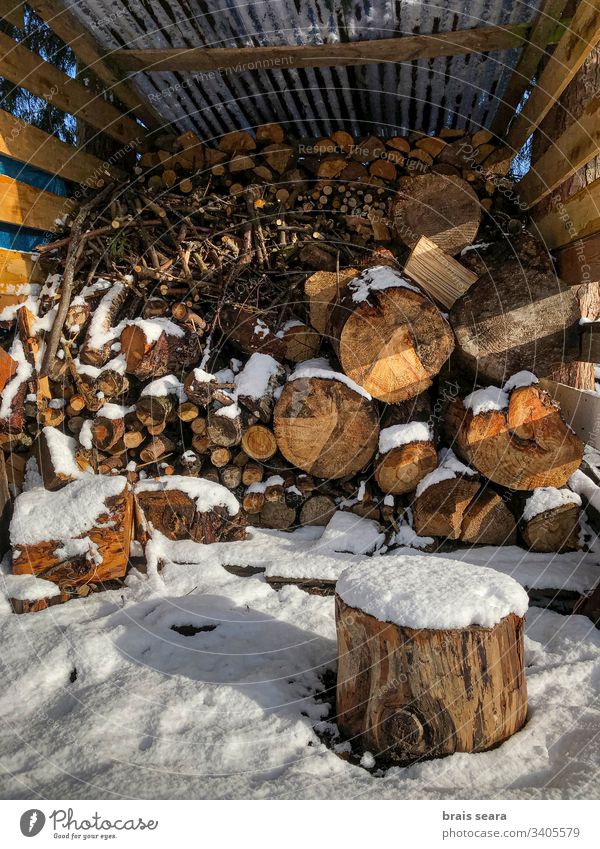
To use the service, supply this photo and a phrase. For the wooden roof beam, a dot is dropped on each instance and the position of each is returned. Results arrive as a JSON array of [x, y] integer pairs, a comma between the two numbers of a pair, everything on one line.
[[401, 49], [86, 48], [571, 52]]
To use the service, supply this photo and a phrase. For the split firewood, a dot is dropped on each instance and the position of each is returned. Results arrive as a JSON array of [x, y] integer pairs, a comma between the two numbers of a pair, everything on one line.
[[321, 289], [406, 454], [301, 341], [250, 332], [187, 508], [325, 426], [437, 273], [389, 338], [256, 384], [515, 436], [155, 347], [225, 426], [442, 497], [488, 521], [108, 427], [445, 209], [56, 453], [72, 547], [259, 443], [102, 331]]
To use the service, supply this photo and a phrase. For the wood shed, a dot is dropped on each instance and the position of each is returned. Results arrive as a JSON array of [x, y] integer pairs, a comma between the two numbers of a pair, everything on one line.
[[253, 179]]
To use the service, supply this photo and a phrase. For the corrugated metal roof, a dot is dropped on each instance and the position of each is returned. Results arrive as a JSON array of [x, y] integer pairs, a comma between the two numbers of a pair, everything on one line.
[[389, 98]]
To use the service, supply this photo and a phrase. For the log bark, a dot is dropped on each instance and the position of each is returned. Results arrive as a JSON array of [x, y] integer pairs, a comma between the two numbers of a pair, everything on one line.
[[513, 319], [317, 510], [176, 516], [325, 428], [96, 349], [148, 359], [488, 521], [443, 208], [524, 447], [553, 530], [440, 509], [393, 344], [435, 693]]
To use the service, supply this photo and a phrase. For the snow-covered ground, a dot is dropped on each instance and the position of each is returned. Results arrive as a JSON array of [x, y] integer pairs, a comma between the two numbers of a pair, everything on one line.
[[102, 698]]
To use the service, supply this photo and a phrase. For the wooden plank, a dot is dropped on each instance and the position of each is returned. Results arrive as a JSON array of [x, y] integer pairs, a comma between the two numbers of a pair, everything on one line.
[[25, 68], [571, 52], [17, 268], [12, 11], [590, 342], [581, 409], [404, 49], [86, 48], [575, 218], [26, 143], [28, 206], [541, 33], [579, 261], [571, 151]]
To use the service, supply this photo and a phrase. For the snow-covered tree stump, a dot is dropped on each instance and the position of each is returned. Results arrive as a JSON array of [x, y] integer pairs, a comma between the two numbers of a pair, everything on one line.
[[430, 657]]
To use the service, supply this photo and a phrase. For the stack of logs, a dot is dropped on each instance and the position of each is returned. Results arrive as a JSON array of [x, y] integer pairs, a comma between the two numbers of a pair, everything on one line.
[[340, 385]]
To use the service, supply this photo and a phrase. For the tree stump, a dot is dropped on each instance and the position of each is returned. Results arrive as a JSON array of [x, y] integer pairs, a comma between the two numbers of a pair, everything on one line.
[[430, 657]]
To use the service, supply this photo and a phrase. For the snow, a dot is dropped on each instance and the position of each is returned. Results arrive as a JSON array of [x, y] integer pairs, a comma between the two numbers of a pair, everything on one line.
[[230, 411], [321, 368], [262, 486], [449, 467], [403, 434], [407, 536], [205, 493], [114, 411], [23, 373], [68, 513], [254, 378], [163, 386], [231, 712], [203, 376], [479, 246], [99, 333], [85, 435], [347, 533], [521, 378], [419, 591], [376, 279], [585, 487], [62, 452], [548, 498], [28, 587], [153, 328], [486, 400]]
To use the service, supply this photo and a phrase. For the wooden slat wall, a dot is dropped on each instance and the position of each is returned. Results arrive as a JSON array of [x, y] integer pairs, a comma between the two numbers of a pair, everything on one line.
[[27, 206], [26, 143], [17, 268], [12, 11], [575, 218]]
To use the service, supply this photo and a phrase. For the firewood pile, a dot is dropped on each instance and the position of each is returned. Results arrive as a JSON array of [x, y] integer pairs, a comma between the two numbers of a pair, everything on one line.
[[269, 318]]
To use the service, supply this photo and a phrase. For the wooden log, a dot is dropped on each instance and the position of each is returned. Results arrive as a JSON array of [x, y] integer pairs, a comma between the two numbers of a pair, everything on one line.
[[153, 350], [321, 289], [249, 330], [99, 551], [554, 529], [301, 341], [259, 443], [325, 427], [55, 453], [100, 336], [523, 446], [277, 514], [399, 470], [515, 318], [443, 208], [389, 339], [438, 510], [187, 508], [107, 431], [408, 693], [488, 521], [156, 448], [256, 384], [317, 510]]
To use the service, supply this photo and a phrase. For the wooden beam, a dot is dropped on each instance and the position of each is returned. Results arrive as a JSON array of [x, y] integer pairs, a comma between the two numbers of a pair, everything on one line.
[[571, 52], [579, 143], [86, 48], [17, 268], [590, 342], [404, 49], [541, 33], [28, 206], [572, 219], [579, 261], [26, 143], [580, 408], [13, 12], [25, 68]]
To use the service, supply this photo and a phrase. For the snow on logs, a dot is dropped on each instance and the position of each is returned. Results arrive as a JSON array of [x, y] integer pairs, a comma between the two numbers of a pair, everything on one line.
[[187, 508], [515, 436], [325, 424], [406, 454], [389, 338], [451, 635], [549, 520], [76, 535]]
